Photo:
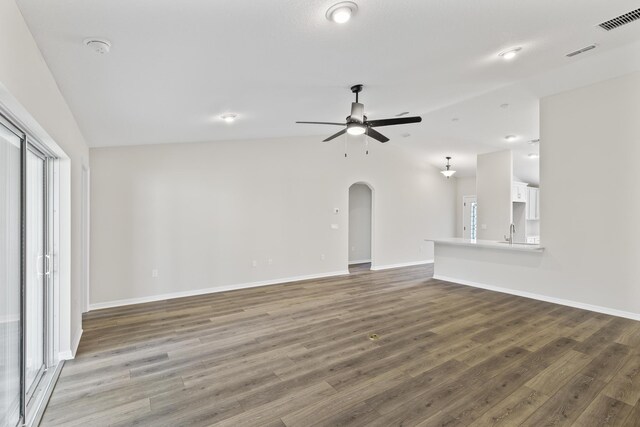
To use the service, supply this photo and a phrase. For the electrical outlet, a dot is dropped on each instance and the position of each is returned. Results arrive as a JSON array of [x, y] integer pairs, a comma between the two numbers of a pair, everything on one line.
[[254, 263], [334, 226], [353, 248], [270, 261], [154, 273], [483, 226], [322, 257]]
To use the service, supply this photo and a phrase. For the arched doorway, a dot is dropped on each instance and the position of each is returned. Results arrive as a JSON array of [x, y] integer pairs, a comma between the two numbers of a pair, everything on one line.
[[360, 227]]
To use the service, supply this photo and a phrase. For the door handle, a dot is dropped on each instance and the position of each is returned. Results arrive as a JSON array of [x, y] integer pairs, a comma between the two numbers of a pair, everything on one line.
[[48, 270]]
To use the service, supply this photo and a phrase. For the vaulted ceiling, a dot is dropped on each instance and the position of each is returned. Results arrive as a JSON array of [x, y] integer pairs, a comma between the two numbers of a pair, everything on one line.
[[176, 66]]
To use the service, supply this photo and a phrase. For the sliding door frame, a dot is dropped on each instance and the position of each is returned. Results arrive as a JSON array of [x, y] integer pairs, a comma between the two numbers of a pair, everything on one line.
[[21, 329], [34, 390], [28, 409], [31, 389]]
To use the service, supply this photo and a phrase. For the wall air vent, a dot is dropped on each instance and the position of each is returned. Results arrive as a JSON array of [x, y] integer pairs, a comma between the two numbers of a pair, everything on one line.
[[583, 50], [621, 20]]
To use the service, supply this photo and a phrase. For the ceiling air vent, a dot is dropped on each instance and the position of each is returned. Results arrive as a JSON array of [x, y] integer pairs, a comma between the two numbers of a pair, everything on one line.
[[583, 50], [621, 20]]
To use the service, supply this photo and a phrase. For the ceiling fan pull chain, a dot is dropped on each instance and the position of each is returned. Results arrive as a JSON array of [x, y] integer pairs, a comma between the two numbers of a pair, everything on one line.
[[345, 145], [366, 144]]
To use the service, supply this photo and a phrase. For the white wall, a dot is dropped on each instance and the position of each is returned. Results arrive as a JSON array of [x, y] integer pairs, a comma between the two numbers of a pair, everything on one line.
[[465, 186], [493, 185], [29, 91], [359, 223], [590, 205], [202, 213]]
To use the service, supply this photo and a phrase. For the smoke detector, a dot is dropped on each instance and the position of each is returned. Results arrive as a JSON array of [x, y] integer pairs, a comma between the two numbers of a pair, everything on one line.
[[100, 46]]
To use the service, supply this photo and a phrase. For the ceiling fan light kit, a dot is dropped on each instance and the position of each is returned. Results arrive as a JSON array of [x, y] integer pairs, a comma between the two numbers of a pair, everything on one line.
[[357, 122], [355, 129]]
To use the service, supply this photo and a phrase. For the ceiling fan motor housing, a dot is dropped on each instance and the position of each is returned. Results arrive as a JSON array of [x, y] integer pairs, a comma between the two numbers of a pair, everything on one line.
[[357, 113]]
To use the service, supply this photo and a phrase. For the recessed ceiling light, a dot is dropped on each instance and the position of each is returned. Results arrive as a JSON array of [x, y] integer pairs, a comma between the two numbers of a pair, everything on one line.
[[505, 105], [509, 54], [533, 155], [510, 138], [455, 119], [406, 135], [100, 46], [341, 12], [229, 118]]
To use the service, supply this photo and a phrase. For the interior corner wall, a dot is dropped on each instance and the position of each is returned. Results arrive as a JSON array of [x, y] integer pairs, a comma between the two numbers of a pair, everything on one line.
[[465, 186], [590, 205], [200, 215], [494, 175], [29, 90], [589, 198]]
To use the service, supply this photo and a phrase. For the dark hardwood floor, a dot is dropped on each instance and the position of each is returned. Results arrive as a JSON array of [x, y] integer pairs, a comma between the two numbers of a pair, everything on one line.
[[302, 354], [359, 268]]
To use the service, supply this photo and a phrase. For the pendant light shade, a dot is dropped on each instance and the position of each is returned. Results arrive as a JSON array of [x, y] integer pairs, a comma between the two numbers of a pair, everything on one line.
[[448, 172]]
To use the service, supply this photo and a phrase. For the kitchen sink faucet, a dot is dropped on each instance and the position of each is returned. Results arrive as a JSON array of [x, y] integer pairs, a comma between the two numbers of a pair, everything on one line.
[[512, 231]]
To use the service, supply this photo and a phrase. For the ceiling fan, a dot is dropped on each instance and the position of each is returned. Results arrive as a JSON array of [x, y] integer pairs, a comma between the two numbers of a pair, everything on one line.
[[358, 124]]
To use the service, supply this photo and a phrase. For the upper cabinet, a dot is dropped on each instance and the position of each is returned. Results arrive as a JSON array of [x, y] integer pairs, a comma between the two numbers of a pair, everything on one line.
[[533, 203], [519, 192]]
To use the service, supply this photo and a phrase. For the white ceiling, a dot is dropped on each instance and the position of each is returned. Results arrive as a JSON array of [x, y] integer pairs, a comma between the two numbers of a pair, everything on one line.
[[175, 66]]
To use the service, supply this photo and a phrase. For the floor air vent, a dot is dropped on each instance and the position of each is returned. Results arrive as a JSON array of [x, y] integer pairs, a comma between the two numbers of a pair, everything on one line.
[[621, 20]]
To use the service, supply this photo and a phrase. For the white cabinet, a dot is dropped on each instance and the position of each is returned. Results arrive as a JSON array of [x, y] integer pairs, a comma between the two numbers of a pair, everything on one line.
[[533, 203], [519, 192]]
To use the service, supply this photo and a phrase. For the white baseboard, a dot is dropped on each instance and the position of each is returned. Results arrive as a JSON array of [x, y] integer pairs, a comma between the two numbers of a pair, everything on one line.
[[172, 295], [71, 353], [404, 264], [569, 303], [361, 261]]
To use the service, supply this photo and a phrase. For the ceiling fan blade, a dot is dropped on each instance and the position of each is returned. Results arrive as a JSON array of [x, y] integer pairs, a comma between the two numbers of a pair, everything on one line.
[[335, 135], [391, 122], [323, 123], [376, 135]]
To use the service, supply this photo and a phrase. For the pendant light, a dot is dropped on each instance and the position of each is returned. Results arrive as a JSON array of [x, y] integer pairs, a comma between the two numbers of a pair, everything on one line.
[[448, 172]]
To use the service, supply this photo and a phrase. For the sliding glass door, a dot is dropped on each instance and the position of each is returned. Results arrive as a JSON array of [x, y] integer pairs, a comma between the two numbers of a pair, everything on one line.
[[10, 281], [26, 303]]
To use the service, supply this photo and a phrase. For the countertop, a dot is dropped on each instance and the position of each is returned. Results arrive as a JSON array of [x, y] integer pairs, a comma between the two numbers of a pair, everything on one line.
[[491, 244]]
